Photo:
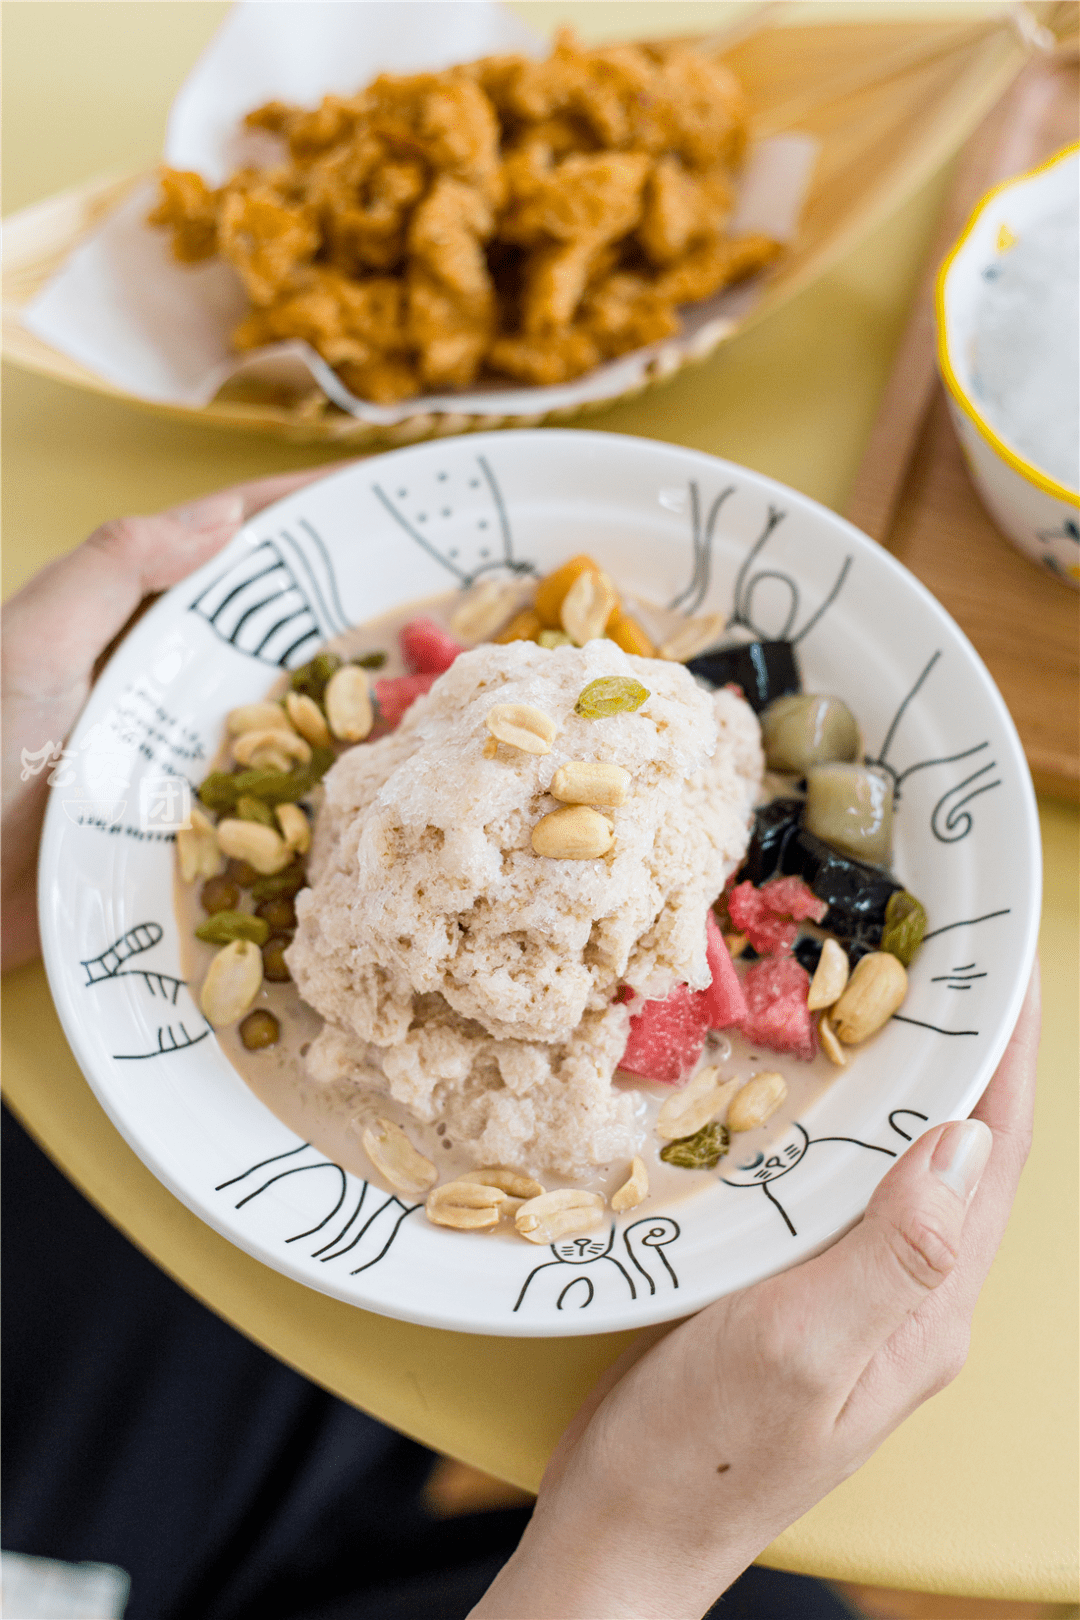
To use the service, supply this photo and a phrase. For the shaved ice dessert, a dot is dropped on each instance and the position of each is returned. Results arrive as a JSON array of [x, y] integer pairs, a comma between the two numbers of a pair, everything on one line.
[[478, 982]]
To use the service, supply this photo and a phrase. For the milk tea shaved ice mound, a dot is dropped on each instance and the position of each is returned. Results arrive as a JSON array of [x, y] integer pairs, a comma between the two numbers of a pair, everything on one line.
[[476, 981]]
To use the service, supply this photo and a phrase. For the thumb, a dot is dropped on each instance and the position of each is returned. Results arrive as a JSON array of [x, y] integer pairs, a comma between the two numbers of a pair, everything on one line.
[[905, 1245], [59, 622]]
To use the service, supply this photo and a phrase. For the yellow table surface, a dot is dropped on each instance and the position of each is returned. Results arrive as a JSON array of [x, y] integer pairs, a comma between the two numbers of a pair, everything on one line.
[[976, 1494]]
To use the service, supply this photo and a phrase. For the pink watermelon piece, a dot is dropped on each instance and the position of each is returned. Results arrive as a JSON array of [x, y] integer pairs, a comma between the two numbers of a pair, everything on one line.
[[777, 1015], [666, 1037], [770, 916], [427, 648], [768, 933], [398, 693], [791, 897], [723, 1003]]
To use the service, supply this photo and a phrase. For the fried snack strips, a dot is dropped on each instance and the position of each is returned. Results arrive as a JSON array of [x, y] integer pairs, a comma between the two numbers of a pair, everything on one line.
[[506, 217]]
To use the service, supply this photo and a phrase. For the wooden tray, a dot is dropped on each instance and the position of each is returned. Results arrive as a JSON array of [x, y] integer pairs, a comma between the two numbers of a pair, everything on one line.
[[913, 493]]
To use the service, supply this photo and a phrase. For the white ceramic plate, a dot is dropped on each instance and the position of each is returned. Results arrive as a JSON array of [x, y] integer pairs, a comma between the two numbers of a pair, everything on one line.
[[669, 524]]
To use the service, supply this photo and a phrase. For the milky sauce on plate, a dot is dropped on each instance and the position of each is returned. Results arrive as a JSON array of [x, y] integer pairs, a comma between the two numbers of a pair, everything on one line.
[[332, 1116]]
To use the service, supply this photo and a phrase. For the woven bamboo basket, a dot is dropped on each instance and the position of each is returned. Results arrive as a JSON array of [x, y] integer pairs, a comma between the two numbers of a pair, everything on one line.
[[888, 101]]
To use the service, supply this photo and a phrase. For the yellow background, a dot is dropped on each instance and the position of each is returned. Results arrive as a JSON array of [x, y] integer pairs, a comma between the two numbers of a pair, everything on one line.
[[977, 1492]]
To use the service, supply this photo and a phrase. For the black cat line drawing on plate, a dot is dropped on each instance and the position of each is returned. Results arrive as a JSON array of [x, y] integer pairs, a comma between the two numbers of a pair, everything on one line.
[[114, 963], [280, 601], [959, 977], [361, 1221], [593, 1267], [748, 579], [950, 820], [788, 1152], [458, 516]]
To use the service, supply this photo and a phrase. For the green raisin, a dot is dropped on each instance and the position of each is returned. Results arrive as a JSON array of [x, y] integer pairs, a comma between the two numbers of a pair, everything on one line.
[[221, 791], [371, 660], [218, 791], [701, 1151], [905, 925], [611, 694], [555, 638], [225, 926], [311, 679], [284, 883], [249, 809]]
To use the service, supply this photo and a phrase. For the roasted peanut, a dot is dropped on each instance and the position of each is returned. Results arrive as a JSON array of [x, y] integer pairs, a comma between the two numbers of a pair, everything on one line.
[[556, 1214], [587, 607], [875, 990], [295, 827], [348, 704], [756, 1101], [232, 983], [257, 717], [260, 847], [551, 591], [467, 1205], [703, 1098], [582, 781], [197, 848], [521, 725], [514, 1183], [573, 834], [830, 977], [631, 1193], [693, 637], [487, 606], [394, 1156], [307, 718], [252, 747], [829, 1043]]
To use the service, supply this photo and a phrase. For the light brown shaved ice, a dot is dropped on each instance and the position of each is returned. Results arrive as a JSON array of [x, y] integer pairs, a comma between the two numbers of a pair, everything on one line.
[[472, 979]]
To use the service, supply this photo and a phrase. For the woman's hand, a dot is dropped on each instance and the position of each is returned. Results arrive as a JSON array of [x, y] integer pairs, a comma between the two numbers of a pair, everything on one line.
[[694, 1452], [55, 632]]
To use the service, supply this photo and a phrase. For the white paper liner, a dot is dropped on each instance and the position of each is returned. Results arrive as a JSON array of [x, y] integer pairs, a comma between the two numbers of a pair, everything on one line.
[[124, 308]]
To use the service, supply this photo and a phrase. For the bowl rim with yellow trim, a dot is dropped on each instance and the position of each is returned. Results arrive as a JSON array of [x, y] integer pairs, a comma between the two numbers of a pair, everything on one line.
[[1034, 510]]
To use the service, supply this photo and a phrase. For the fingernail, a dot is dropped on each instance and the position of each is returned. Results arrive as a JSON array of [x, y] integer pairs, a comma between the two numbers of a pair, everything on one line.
[[961, 1155], [213, 513]]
